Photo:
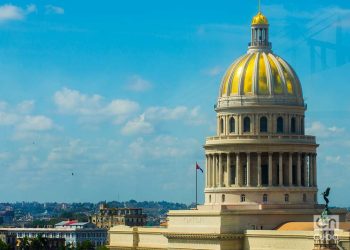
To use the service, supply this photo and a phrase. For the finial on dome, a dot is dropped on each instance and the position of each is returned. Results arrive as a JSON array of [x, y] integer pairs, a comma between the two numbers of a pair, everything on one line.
[[259, 19]]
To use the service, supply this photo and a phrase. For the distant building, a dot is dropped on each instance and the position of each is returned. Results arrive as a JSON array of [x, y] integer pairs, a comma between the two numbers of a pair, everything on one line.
[[73, 232], [6, 217], [109, 217]]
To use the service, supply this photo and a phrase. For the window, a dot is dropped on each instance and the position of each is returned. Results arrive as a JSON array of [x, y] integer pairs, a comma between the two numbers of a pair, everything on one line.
[[221, 126], [246, 124], [223, 198], [286, 197], [304, 198], [293, 128], [209, 198], [280, 125], [263, 124], [302, 126], [265, 198], [232, 125], [242, 197]]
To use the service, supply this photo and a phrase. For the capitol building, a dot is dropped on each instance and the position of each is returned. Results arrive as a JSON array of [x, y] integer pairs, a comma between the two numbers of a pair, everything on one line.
[[261, 168]]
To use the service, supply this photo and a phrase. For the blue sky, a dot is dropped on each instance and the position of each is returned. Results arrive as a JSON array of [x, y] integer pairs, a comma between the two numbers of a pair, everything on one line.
[[121, 93]]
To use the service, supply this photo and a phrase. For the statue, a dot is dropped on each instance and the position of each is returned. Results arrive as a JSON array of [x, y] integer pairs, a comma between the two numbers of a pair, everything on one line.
[[325, 197]]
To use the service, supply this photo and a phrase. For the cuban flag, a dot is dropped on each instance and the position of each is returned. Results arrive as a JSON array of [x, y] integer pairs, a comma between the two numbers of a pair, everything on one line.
[[198, 167]]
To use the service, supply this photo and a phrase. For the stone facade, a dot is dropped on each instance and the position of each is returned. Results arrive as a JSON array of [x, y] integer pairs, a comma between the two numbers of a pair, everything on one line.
[[109, 217]]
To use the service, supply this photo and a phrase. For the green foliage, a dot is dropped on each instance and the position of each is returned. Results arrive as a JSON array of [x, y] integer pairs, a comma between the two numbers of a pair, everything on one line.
[[4, 246], [25, 244], [86, 245], [102, 248]]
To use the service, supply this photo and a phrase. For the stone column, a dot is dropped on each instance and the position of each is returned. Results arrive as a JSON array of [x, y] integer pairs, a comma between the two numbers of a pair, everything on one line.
[[280, 167], [290, 170], [248, 169], [238, 170], [206, 170], [228, 170], [315, 170], [259, 170], [306, 176], [299, 170], [311, 175], [270, 169], [214, 171], [220, 169]]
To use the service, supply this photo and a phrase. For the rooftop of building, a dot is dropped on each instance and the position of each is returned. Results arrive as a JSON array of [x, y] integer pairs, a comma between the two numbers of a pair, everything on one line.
[[307, 226]]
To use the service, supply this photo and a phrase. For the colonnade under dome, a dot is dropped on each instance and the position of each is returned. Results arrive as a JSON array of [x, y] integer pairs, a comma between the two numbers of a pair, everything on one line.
[[260, 169]]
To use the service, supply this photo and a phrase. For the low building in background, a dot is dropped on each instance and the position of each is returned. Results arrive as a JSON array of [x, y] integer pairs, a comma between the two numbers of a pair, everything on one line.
[[109, 217], [72, 232]]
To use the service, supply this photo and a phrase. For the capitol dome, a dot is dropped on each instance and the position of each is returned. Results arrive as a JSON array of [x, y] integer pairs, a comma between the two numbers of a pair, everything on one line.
[[259, 76]]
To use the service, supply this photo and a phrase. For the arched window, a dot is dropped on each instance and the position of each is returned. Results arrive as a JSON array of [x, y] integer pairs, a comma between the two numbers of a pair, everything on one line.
[[232, 125], [221, 126], [223, 198], [304, 198], [265, 198], [246, 124], [280, 125], [242, 197], [263, 124], [286, 197], [293, 128], [210, 198]]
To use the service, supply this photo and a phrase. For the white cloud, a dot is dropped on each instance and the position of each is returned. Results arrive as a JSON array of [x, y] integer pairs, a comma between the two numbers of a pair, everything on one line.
[[7, 119], [321, 130], [163, 147], [138, 84], [51, 9], [217, 70], [26, 106], [137, 126], [334, 159], [9, 12], [35, 123], [191, 116], [72, 102]]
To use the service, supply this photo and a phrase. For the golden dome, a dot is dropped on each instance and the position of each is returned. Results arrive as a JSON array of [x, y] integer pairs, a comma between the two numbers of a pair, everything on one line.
[[260, 19], [262, 74]]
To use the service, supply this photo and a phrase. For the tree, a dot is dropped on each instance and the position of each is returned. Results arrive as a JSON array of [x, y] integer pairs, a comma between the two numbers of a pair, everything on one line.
[[86, 245], [24, 244], [39, 243], [4, 246], [102, 248]]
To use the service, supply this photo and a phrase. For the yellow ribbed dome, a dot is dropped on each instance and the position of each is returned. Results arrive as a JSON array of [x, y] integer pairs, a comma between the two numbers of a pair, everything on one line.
[[260, 73], [260, 19]]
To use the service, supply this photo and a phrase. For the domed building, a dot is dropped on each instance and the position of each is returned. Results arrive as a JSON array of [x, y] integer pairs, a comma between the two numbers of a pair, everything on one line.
[[260, 154], [261, 168]]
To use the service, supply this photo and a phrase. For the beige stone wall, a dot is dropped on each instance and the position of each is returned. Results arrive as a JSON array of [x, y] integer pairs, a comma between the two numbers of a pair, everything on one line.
[[123, 237], [276, 240]]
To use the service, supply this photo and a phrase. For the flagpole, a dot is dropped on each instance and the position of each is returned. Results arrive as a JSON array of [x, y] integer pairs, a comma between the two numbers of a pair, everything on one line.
[[196, 187]]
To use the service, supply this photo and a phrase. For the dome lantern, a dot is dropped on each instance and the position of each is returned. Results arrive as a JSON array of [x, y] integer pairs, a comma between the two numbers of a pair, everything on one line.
[[260, 33]]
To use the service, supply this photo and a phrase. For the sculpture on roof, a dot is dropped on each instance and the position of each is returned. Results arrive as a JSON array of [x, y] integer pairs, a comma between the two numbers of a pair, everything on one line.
[[325, 197]]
